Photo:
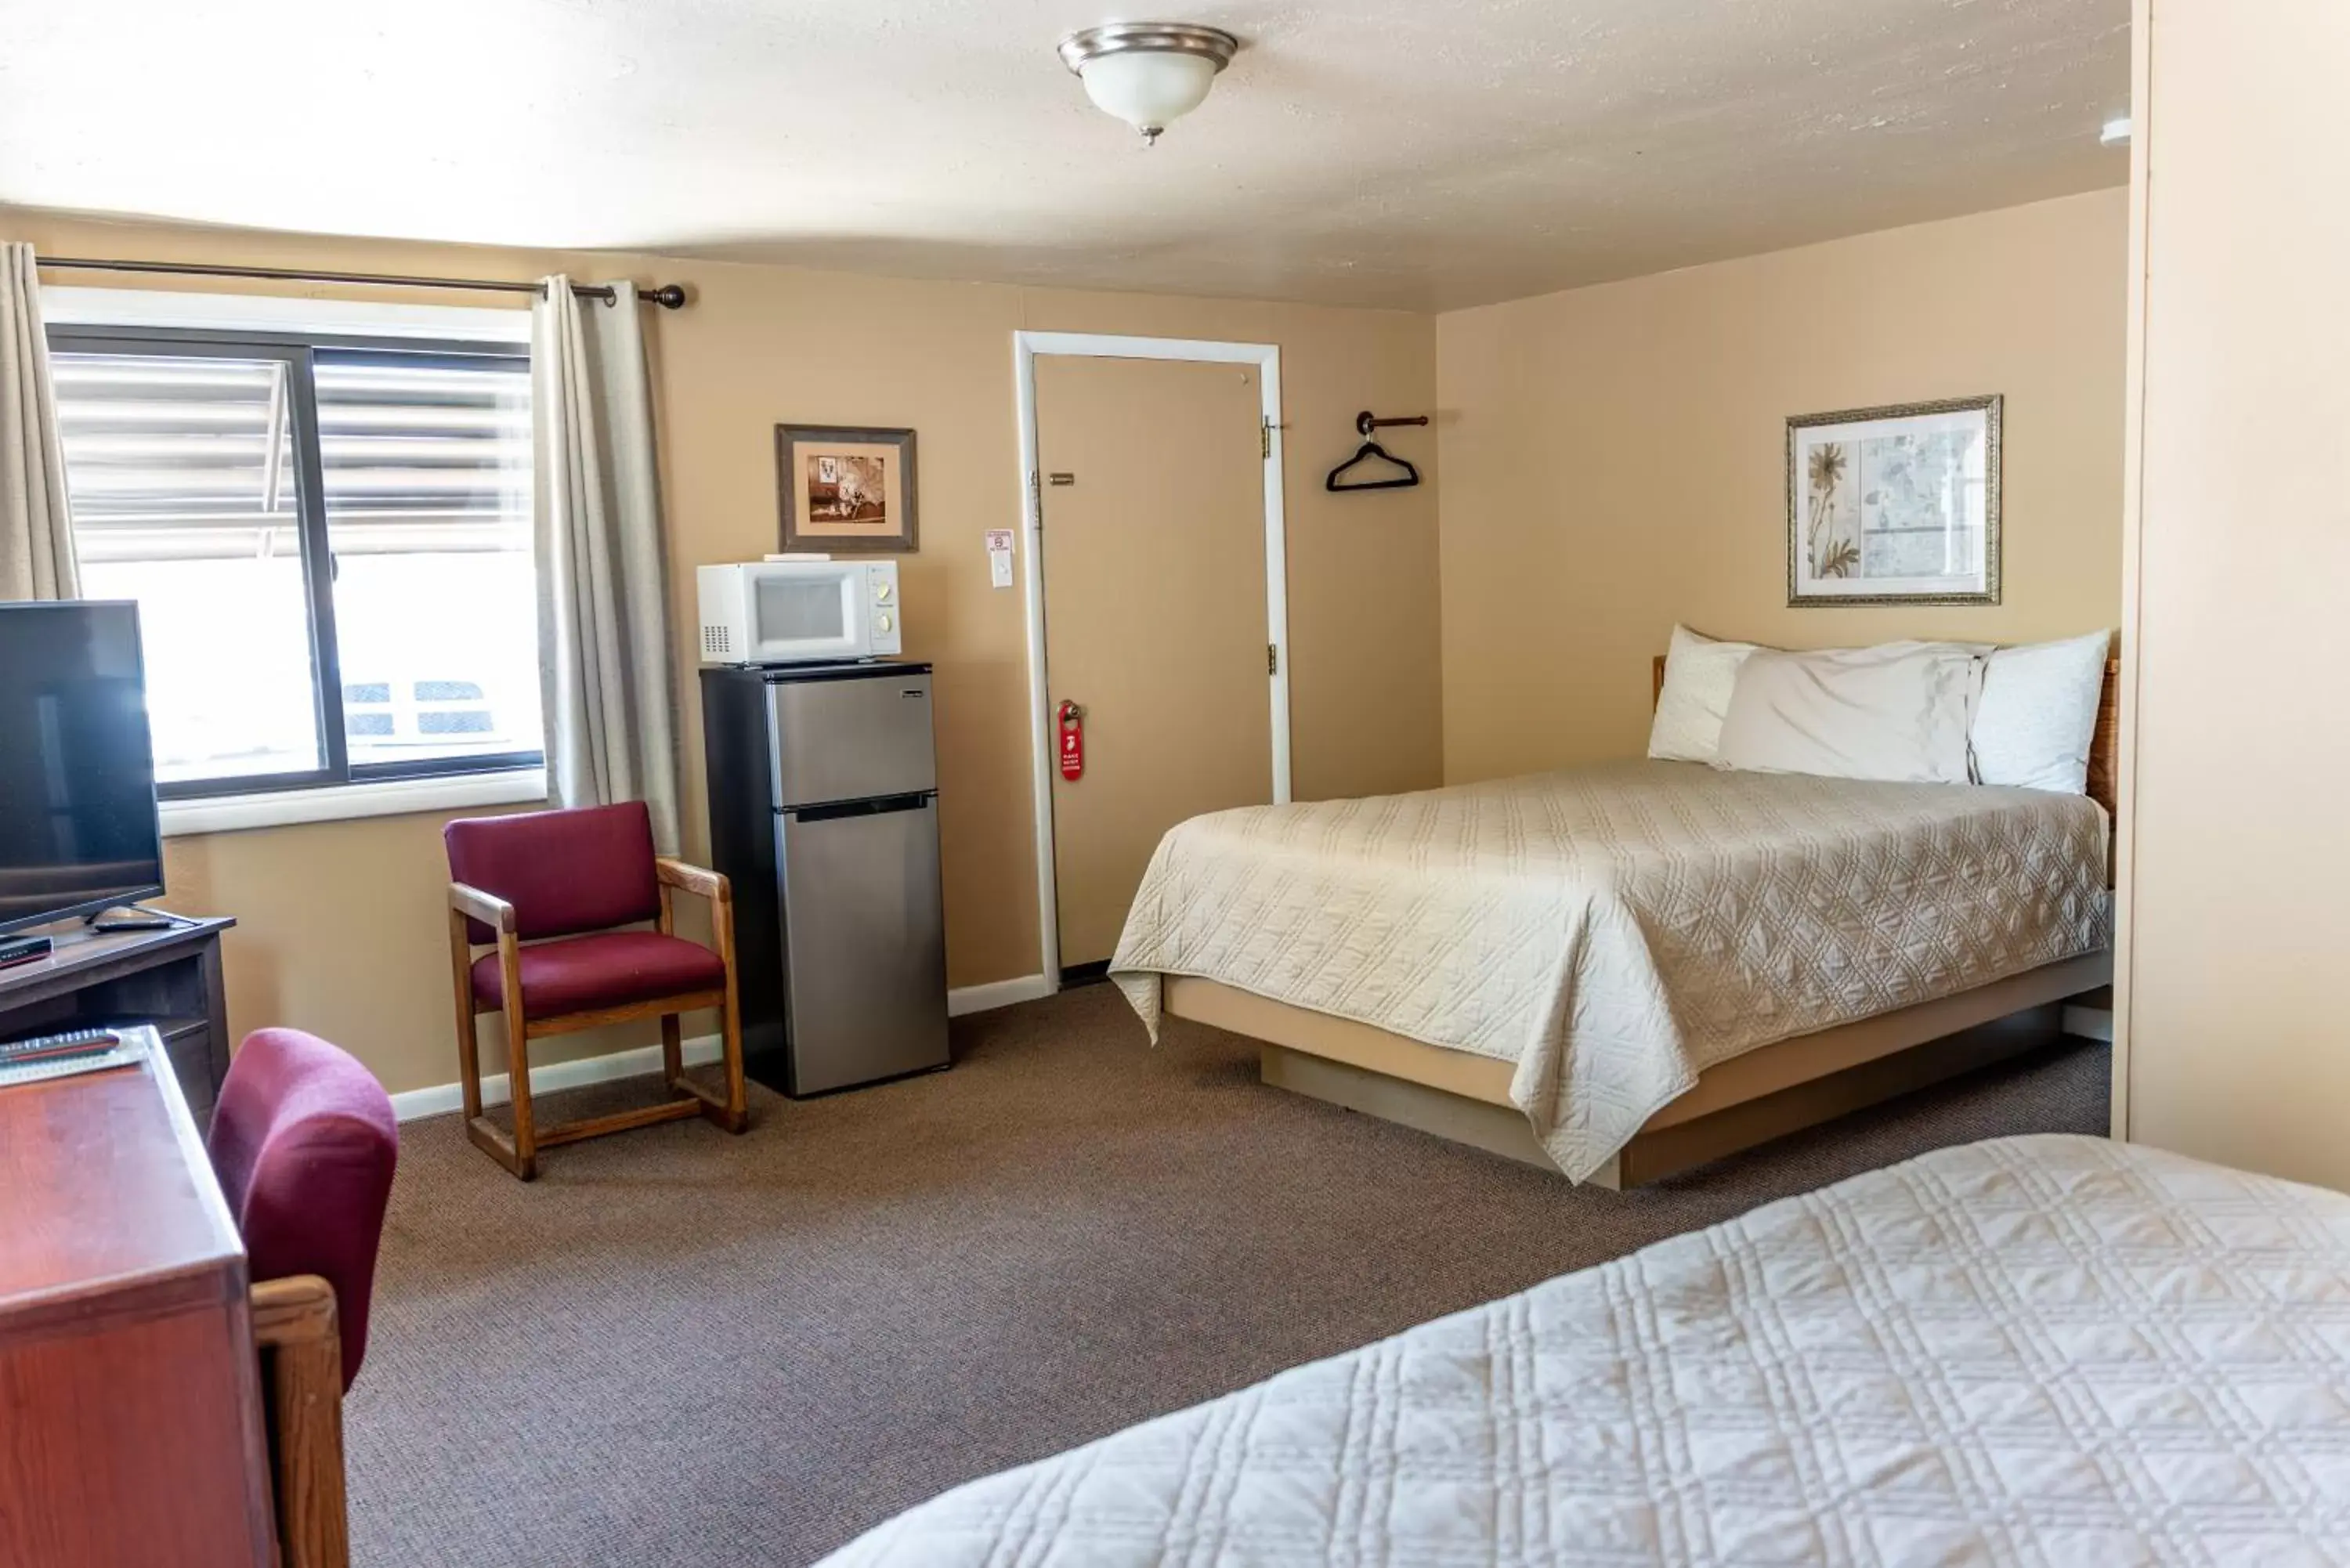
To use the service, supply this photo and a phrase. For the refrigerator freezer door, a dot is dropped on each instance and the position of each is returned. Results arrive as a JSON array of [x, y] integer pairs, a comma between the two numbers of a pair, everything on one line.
[[850, 738], [864, 952]]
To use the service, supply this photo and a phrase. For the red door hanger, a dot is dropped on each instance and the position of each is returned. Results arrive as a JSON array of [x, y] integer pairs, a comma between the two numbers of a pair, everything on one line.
[[1072, 741]]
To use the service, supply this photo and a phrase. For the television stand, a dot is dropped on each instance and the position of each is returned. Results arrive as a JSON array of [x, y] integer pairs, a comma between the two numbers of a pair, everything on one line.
[[169, 979]]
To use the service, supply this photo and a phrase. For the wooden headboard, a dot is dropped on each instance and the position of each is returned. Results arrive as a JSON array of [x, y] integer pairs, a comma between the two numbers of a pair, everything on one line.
[[2105, 745]]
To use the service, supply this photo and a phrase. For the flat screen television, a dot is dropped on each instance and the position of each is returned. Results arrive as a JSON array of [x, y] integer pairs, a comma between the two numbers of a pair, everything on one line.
[[78, 832]]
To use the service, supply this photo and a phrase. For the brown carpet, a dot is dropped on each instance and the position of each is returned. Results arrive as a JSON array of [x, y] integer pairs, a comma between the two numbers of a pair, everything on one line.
[[682, 1347]]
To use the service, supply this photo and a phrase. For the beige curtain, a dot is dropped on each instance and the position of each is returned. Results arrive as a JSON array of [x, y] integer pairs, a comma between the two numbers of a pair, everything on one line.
[[603, 571], [37, 553]]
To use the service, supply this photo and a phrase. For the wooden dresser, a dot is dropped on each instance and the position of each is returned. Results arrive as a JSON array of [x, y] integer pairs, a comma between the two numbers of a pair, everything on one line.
[[130, 1416]]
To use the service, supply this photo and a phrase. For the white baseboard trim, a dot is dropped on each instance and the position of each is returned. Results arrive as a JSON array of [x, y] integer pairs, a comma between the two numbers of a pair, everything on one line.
[[442, 1099], [996, 994], [2090, 1022]]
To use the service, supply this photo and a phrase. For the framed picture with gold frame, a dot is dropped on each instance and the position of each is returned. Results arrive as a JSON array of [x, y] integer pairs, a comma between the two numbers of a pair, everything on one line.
[[1895, 506], [845, 489]]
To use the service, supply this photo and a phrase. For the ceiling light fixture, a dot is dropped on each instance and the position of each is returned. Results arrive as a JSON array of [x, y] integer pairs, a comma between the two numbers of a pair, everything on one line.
[[2115, 133], [1148, 74]]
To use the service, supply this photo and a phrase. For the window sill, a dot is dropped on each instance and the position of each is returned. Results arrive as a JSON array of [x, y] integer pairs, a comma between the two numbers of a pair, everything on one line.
[[391, 797]]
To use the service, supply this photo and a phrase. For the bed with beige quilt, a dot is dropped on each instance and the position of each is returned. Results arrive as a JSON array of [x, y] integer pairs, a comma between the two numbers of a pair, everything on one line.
[[2052, 1351], [1584, 947]]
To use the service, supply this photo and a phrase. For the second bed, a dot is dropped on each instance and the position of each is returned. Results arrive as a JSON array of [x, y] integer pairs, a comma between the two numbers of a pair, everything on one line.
[[1626, 969], [2047, 1351]]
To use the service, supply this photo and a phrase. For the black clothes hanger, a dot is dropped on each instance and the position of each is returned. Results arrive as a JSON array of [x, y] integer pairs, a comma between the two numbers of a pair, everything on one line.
[[1364, 423]]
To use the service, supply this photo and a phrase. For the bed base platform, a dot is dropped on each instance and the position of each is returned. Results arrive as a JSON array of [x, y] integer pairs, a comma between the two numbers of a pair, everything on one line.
[[1748, 1100]]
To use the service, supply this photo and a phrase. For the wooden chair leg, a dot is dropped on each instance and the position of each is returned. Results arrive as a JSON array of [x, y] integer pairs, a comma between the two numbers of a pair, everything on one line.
[[302, 1377], [469, 1043], [525, 1130], [673, 1050], [469, 1063], [730, 1026], [729, 1109], [732, 1108], [484, 1134], [729, 1016]]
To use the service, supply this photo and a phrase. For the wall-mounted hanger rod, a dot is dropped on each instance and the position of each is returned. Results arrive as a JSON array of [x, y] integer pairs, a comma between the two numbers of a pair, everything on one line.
[[669, 295], [1371, 451]]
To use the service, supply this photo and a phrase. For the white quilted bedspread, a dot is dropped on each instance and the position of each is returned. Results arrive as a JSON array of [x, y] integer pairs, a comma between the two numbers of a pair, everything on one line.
[[1615, 930], [2046, 1351]]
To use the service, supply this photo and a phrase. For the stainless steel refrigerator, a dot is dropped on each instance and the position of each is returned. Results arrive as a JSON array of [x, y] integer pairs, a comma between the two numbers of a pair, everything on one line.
[[824, 813]]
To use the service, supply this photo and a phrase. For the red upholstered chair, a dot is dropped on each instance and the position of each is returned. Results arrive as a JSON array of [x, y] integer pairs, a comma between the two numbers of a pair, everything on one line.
[[304, 1143], [545, 888]]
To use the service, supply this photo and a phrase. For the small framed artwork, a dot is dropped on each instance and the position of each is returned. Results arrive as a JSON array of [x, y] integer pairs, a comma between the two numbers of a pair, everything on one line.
[[1896, 505], [845, 488]]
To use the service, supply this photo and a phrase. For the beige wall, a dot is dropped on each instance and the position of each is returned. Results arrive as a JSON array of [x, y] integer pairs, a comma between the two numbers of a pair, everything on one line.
[[340, 930], [1611, 461], [2235, 928], [1614, 459]]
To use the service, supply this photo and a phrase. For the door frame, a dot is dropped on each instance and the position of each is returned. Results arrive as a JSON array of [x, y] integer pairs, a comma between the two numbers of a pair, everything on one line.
[[1026, 347]]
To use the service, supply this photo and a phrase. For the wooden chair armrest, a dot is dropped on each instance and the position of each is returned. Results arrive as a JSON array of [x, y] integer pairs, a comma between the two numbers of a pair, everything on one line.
[[693, 879], [487, 908], [298, 1310]]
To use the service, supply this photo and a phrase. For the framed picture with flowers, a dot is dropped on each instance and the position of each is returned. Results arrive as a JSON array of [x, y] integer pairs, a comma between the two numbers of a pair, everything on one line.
[[1895, 506]]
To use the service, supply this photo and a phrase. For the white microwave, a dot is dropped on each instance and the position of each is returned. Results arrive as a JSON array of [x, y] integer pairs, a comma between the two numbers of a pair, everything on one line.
[[798, 612]]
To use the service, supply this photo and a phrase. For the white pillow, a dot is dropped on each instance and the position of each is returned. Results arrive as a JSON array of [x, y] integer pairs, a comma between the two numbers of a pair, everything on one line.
[[1896, 712], [1699, 673], [2039, 713]]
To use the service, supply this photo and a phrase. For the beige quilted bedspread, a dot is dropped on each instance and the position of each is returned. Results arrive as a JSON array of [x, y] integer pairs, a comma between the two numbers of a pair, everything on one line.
[[1615, 930], [2033, 1353]]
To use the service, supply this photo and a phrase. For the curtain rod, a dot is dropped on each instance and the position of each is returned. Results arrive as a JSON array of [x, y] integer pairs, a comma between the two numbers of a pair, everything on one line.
[[669, 295]]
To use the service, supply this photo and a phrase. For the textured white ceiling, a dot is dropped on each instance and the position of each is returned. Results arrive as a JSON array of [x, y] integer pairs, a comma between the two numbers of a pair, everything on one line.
[[1423, 153]]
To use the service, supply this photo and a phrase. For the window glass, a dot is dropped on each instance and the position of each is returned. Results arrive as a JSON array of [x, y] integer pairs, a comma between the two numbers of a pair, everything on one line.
[[185, 496], [386, 626], [428, 475]]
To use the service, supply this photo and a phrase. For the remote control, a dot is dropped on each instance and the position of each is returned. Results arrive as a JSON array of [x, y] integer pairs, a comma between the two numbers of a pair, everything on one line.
[[23, 949]]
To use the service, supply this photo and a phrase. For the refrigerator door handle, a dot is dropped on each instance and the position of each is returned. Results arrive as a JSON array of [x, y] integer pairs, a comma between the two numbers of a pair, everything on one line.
[[879, 806]]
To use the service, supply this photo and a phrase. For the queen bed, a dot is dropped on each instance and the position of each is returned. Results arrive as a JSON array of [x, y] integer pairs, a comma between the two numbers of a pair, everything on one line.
[[2048, 1350], [1626, 970]]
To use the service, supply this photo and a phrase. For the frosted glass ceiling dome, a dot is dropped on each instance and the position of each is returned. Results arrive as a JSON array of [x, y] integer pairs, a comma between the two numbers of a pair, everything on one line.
[[1148, 74]]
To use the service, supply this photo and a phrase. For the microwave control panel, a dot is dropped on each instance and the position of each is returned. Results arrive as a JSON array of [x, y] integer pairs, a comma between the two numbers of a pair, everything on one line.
[[881, 585]]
